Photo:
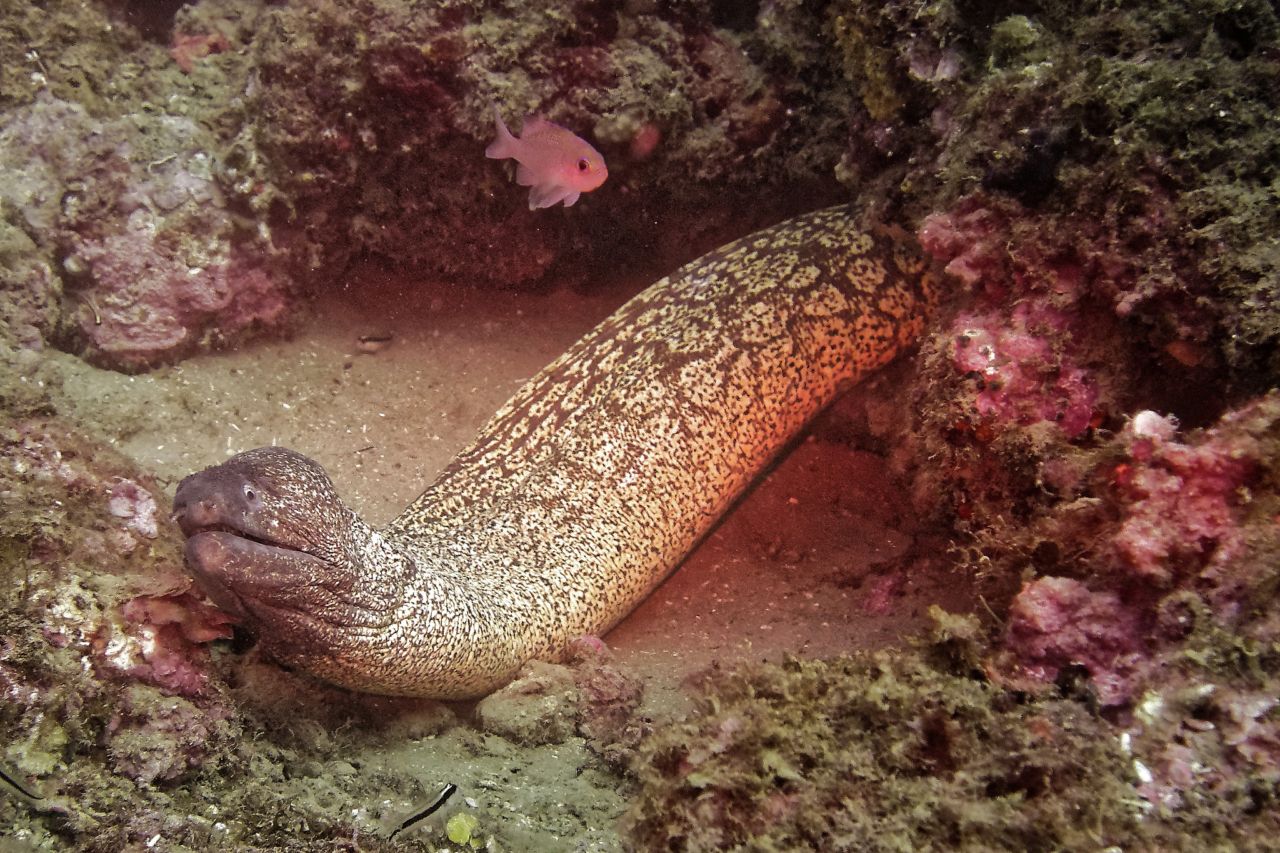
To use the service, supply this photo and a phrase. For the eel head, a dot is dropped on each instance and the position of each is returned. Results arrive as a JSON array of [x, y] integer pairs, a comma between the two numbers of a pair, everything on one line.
[[270, 542]]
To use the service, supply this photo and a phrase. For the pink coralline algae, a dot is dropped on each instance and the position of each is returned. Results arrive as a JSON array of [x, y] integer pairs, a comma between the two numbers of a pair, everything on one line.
[[150, 264], [167, 637], [123, 610], [1019, 374], [971, 243], [1059, 622], [156, 640], [135, 505], [1022, 361], [1173, 523], [1179, 501], [159, 637], [188, 48], [150, 305]]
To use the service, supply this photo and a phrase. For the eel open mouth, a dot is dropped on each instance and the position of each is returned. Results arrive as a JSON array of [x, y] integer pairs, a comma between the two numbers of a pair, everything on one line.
[[245, 576]]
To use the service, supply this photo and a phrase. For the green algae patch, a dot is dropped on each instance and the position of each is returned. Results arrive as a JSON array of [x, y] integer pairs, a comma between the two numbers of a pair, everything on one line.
[[1141, 139], [461, 829], [879, 752], [866, 37]]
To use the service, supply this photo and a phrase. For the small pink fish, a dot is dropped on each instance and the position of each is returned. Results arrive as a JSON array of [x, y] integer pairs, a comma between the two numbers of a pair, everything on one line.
[[555, 163]]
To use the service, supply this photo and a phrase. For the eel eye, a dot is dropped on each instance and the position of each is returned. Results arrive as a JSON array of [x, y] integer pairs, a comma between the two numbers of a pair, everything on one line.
[[583, 165], [249, 494]]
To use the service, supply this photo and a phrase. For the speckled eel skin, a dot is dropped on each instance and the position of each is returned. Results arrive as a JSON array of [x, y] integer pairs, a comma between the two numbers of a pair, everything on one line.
[[582, 493]]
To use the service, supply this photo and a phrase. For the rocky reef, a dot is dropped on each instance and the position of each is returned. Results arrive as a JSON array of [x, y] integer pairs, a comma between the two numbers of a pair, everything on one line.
[[922, 750], [1091, 424], [880, 752], [1129, 147], [125, 248]]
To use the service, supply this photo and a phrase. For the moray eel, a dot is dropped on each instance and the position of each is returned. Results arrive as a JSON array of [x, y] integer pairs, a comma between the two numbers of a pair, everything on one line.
[[582, 493]]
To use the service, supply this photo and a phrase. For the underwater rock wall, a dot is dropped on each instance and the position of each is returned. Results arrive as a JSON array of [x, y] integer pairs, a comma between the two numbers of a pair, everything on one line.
[[370, 119], [1131, 147], [149, 266], [131, 254]]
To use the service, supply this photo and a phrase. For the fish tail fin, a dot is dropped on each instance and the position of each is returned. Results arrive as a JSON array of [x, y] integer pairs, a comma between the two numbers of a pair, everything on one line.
[[503, 145]]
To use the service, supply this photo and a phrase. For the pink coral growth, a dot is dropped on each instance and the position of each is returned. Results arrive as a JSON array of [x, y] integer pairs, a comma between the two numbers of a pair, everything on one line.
[[1174, 525], [170, 633], [188, 48], [1057, 622], [135, 505], [1021, 375], [151, 305], [1022, 359], [1179, 500], [971, 242]]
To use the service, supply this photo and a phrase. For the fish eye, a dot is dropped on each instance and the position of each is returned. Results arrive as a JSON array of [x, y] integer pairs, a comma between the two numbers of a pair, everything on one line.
[[583, 165]]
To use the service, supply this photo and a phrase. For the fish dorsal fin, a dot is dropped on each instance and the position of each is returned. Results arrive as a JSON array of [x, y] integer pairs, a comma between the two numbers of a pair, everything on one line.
[[504, 145]]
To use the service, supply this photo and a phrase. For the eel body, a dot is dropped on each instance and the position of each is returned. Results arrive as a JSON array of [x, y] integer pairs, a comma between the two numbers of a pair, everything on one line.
[[582, 493]]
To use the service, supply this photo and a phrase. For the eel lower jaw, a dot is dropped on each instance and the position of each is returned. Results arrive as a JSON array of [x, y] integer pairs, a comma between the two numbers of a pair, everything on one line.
[[254, 581]]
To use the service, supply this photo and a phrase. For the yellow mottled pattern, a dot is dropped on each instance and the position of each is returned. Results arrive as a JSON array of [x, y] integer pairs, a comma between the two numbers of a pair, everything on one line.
[[600, 475]]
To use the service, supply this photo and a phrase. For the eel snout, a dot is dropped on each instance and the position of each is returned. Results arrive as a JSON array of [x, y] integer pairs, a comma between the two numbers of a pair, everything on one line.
[[215, 498]]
